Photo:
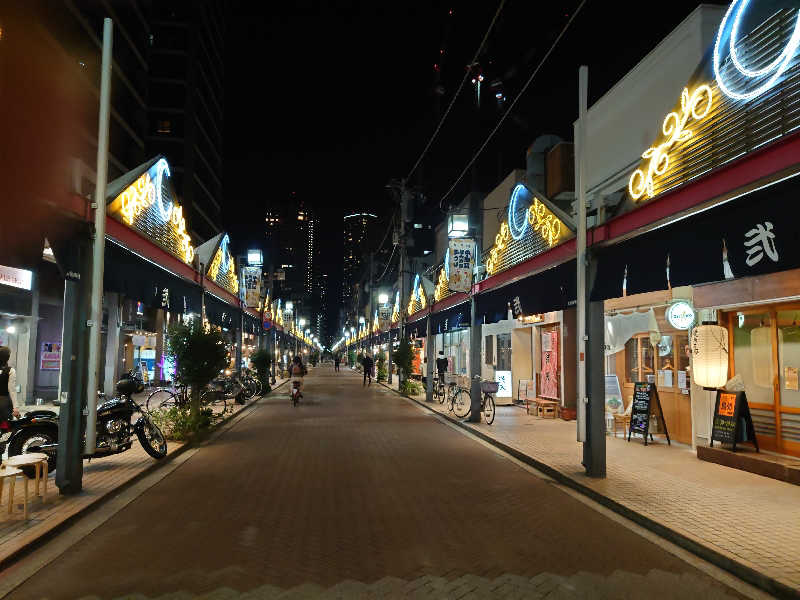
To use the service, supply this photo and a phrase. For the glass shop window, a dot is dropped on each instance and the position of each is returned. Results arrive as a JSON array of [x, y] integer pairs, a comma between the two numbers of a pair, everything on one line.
[[503, 351]]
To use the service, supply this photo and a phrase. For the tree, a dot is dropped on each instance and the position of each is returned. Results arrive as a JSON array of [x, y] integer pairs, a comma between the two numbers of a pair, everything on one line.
[[261, 361], [200, 354], [381, 367], [404, 359]]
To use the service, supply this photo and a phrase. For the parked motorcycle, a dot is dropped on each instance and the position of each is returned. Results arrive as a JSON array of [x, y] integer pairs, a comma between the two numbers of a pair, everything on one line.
[[37, 431]]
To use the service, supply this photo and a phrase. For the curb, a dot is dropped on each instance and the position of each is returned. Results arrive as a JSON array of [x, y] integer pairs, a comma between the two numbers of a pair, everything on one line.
[[46, 536], [742, 571]]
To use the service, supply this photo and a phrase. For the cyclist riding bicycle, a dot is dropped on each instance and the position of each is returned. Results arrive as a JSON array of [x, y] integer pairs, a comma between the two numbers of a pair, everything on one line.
[[298, 371]]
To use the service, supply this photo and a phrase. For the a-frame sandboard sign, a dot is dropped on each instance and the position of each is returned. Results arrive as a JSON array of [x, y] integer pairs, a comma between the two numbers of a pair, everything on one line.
[[732, 420], [645, 399]]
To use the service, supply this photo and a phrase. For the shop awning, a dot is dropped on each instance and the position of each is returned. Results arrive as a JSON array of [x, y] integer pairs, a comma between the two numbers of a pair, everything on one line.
[[418, 328], [549, 290], [252, 324], [455, 317], [221, 313], [144, 281], [759, 230]]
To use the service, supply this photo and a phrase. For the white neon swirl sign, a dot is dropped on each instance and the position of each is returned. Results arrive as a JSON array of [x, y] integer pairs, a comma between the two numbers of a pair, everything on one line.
[[517, 224], [765, 77]]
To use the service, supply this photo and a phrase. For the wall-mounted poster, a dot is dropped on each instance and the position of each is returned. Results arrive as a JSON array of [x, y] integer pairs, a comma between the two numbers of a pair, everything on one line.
[[550, 368], [504, 386], [50, 360]]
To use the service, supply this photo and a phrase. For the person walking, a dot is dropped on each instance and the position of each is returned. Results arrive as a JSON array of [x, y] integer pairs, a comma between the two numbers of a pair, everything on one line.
[[8, 389], [336, 360], [368, 364], [441, 365]]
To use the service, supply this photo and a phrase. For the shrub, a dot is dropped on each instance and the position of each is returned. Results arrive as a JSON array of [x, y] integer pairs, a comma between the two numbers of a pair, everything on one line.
[[178, 424], [409, 387]]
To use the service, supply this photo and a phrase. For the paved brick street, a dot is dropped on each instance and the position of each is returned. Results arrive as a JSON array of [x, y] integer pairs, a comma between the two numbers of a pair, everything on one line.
[[358, 493], [670, 486]]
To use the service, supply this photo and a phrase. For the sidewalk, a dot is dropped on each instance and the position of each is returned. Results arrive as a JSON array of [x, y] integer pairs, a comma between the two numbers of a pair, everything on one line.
[[101, 479], [742, 522]]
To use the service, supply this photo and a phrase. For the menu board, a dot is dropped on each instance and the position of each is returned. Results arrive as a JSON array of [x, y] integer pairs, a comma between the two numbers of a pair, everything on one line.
[[732, 420], [645, 402], [640, 412]]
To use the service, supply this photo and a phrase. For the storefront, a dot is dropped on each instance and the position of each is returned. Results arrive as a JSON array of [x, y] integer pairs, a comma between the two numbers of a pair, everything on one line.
[[711, 223]]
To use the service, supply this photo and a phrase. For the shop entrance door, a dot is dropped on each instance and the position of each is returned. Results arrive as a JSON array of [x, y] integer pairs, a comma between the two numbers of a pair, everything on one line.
[[765, 352]]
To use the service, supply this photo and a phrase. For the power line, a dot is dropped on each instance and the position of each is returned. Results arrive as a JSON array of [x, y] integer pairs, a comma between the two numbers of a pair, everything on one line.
[[458, 91], [510, 108]]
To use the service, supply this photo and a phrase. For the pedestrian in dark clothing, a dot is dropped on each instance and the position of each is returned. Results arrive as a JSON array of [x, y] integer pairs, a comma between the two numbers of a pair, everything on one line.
[[336, 360], [441, 366], [368, 364]]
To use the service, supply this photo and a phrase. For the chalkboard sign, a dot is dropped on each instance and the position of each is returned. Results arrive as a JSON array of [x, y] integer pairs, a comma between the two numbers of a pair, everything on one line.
[[645, 401], [732, 420]]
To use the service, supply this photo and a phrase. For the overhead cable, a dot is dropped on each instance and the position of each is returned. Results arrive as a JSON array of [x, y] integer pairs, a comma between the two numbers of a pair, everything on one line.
[[510, 108], [458, 91]]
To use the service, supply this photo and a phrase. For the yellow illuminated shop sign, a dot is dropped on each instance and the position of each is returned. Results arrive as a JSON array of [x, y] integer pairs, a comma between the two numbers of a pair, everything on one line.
[[694, 107], [144, 206]]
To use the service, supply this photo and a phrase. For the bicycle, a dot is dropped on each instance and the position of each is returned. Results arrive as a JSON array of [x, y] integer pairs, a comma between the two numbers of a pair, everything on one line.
[[488, 388], [459, 400], [165, 398], [439, 389]]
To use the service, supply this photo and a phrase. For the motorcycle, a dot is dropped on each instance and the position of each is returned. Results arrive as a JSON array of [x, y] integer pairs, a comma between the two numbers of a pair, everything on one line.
[[37, 431]]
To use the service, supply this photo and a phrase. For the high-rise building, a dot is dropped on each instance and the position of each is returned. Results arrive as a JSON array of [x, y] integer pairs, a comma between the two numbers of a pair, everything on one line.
[[76, 29], [185, 104], [359, 231]]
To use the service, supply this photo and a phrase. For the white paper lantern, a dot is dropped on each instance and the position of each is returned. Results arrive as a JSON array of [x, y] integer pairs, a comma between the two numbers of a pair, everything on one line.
[[710, 356]]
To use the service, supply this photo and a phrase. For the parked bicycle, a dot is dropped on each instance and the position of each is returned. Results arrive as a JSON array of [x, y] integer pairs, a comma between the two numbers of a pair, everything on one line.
[[164, 398], [461, 404], [458, 400]]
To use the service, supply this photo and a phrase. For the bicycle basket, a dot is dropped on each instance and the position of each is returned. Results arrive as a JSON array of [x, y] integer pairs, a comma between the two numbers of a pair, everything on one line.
[[450, 378], [489, 387]]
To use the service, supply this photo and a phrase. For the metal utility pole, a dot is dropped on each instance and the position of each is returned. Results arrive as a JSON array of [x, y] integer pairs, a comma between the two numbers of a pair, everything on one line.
[[590, 318], [371, 296], [580, 188], [476, 324], [98, 251], [405, 197]]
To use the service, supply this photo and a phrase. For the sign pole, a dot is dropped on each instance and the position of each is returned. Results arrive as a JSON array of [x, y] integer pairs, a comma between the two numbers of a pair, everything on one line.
[[580, 188], [98, 254]]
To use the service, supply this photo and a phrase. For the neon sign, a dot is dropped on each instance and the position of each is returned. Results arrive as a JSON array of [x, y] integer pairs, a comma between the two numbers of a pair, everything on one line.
[[223, 262], [763, 78], [147, 190], [536, 216], [697, 106]]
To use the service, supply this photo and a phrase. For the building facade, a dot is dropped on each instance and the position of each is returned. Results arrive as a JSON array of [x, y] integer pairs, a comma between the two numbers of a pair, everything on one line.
[[185, 50]]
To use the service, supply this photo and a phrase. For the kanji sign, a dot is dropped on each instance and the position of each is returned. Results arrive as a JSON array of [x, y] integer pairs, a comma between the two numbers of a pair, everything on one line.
[[461, 262]]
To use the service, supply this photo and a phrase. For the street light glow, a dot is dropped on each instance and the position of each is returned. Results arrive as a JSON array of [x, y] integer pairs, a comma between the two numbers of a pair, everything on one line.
[[383, 298], [290, 306]]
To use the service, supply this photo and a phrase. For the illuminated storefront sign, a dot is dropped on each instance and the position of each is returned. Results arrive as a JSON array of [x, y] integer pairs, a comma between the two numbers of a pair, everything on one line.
[[697, 106], [522, 220], [222, 270], [418, 300], [680, 315], [144, 206], [18, 278], [752, 82]]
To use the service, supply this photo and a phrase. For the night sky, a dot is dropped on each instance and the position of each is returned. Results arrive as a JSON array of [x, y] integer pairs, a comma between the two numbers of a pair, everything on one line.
[[332, 100]]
